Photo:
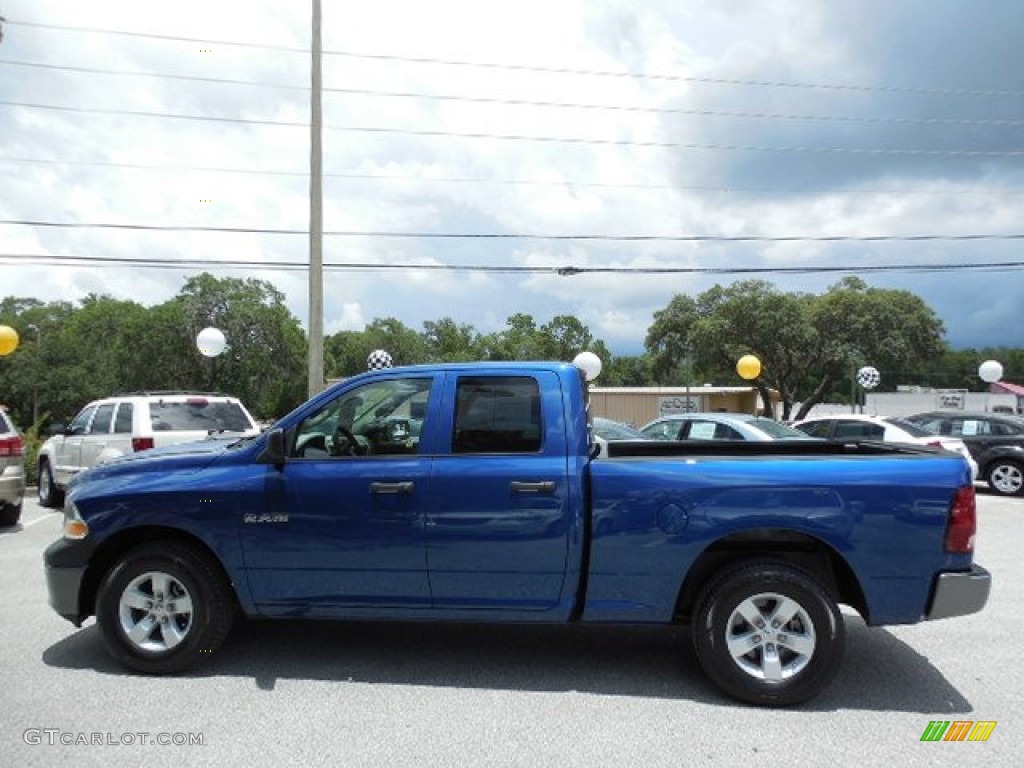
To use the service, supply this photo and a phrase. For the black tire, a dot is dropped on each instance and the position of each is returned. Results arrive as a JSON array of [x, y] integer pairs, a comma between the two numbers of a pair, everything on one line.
[[49, 494], [1005, 477], [175, 599], [785, 664], [10, 514]]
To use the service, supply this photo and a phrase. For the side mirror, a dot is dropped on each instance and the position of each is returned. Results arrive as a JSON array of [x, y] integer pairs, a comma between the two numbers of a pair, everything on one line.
[[273, 448], [57, 429]]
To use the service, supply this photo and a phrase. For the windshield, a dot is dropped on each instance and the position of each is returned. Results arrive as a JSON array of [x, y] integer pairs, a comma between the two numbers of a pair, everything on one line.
[[910, 428], [775, 429]]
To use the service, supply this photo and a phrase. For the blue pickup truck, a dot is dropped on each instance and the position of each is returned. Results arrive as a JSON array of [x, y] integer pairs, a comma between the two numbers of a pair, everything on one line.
[[474, 492]]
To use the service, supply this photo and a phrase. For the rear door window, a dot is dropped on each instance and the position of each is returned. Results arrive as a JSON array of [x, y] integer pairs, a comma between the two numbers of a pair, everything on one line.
[[101, 421], [123, 421], [497, 415], [862, 429]]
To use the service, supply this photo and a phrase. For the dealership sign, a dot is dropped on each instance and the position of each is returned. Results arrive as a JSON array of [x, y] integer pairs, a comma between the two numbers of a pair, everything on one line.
[[680, 404]]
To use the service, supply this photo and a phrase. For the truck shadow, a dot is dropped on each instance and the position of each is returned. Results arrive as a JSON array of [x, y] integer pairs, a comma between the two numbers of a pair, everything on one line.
[[880, 672]]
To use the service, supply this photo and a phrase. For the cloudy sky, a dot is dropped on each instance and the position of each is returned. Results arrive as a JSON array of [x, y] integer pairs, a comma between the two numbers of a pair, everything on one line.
[[560, 129]]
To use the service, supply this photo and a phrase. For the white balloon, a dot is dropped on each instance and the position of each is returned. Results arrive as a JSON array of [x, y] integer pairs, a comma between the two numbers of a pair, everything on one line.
[[990, 371], [589, 363], [211, 342]]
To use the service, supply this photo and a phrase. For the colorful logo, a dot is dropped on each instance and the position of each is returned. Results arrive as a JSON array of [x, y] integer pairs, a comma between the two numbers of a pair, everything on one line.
[[958, 730]]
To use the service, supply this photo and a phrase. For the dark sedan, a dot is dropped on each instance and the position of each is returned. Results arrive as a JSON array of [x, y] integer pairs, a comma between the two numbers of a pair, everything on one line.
[[995, 440]]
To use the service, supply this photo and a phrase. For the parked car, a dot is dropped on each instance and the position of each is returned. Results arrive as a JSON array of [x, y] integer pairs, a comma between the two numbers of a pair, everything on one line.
[[12, 471], [719, 426], [114, 426], [888, 429], [995, 440], [608, 429]]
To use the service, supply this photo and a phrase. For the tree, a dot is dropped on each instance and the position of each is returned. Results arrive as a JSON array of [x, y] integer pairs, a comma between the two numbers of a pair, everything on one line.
[[856, 325], [264, 364], [806, 343], [668, 339], [447, 341]]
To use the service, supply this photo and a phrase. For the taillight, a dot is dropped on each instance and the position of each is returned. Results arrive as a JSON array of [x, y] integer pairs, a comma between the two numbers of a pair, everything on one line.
[[142, 443], [12, 446], [963, 522]]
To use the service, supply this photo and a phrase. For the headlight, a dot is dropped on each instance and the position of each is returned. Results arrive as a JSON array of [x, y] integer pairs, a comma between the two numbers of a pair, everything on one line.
[[74, 526]]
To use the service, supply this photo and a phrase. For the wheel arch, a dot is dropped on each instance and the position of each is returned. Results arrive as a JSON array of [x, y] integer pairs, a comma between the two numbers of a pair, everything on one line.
[[108, 553], [803, 550]]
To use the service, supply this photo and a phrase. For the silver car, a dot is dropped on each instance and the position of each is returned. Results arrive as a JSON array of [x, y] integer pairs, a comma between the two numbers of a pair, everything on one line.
[[719, 426], [12, 471]]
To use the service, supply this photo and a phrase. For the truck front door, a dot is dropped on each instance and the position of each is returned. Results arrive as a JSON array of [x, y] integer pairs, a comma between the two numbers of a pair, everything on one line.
[[498, 516], [342, 528]]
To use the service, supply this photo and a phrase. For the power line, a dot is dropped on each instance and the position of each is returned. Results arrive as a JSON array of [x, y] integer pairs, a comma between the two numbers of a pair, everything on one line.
[[880, 120], [525, 236], [540, 139], [542, 69], [477, 180], [563, 271], [156, 75], [143, 113]]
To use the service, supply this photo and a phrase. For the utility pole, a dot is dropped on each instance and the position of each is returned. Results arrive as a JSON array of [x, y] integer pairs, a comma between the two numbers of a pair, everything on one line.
[[316, 220]]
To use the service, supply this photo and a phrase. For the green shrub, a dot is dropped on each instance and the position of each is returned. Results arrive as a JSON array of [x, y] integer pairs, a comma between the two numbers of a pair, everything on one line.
[[33, 442]]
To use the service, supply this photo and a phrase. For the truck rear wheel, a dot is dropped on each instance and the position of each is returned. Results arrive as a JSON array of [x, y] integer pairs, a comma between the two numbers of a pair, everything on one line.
[[163, 608], [768, 633]]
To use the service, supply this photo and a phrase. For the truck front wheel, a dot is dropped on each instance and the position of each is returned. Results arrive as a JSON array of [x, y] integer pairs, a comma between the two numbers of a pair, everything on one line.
[[768, 633], [164, 607]]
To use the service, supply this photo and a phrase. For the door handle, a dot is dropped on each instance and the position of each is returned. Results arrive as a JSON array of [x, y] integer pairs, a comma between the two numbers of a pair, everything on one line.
[[542, 486], [405, 487]]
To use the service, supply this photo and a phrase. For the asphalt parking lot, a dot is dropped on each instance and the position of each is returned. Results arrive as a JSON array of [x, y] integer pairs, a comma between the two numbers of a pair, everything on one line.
[[434, 695]]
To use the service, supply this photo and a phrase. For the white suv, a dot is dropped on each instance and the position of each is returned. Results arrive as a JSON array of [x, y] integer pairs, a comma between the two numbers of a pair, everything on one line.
[[114, 426]]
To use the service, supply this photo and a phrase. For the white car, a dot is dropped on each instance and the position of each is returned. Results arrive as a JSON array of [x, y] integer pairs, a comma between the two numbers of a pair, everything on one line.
[[114, 426], [888, 429]]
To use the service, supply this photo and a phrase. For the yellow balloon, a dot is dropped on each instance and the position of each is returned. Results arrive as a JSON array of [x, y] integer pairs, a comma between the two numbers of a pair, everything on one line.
[[8, 340], [748, 367]]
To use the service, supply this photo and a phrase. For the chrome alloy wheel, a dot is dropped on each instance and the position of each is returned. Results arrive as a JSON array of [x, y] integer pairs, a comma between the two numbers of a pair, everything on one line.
[[770, 637], [155, 612], [1007, 478]]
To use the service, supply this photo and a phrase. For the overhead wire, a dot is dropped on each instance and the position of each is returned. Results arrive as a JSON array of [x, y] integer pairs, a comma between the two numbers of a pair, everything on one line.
[[536, 68], [522, 235], [561, 183], [557, 270], [579, 140], [491, 100]]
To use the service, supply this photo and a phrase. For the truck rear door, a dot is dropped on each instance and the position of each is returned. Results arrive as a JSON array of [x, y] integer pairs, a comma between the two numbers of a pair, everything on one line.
[[498, 510]]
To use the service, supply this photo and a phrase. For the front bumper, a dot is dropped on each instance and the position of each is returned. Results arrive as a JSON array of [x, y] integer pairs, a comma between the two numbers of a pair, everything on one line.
[[957, 594], [66, 563]]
